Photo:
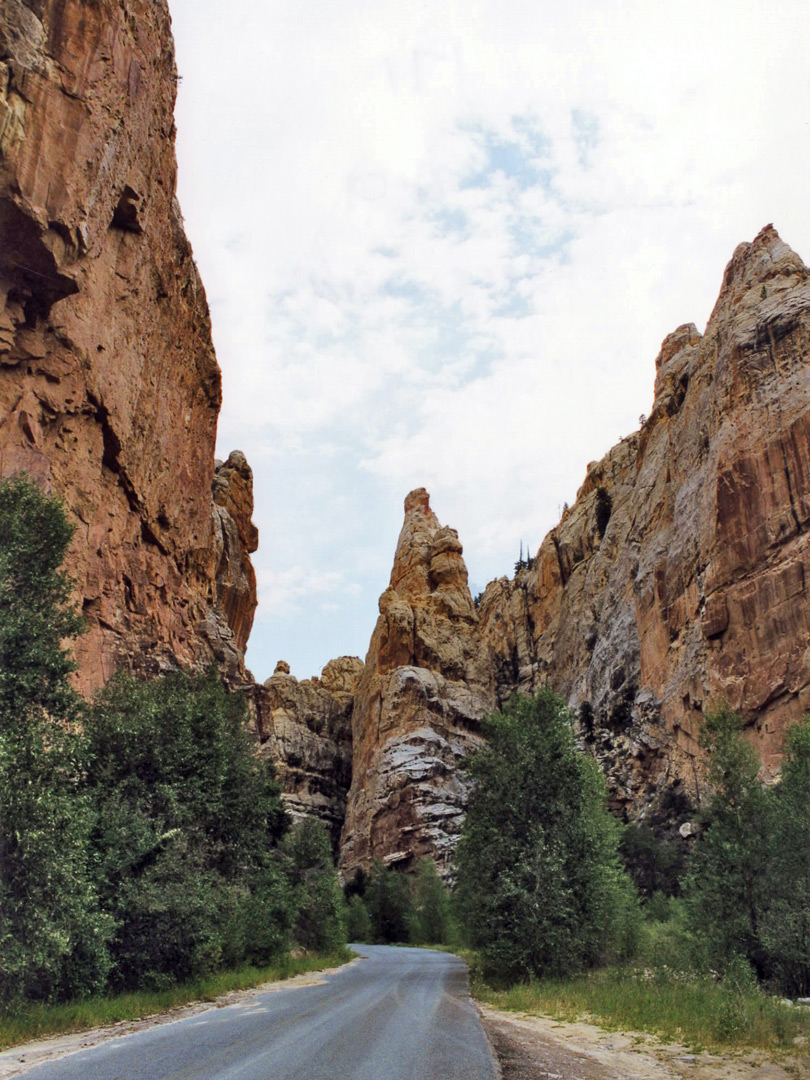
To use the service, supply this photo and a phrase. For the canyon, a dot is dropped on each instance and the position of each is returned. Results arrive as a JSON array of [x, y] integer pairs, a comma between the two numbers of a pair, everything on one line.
[[676, 580], [109, 386]]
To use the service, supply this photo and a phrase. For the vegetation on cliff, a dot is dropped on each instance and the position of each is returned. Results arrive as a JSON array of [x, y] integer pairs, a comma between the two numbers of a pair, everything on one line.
[[142, 842]]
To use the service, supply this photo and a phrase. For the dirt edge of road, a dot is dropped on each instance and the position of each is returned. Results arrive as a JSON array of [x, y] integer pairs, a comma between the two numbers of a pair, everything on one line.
[[20, 1059], [539, 1048]]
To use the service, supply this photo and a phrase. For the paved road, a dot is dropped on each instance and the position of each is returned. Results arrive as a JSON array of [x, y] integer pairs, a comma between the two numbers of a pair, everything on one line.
[[398, 1014]]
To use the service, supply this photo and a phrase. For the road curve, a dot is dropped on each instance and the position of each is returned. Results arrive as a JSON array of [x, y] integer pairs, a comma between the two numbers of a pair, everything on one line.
[[397, 1014]]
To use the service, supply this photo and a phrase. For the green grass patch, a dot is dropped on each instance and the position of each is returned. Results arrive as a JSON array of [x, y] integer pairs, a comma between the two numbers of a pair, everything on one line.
[[696, 1011], [32, 1021]]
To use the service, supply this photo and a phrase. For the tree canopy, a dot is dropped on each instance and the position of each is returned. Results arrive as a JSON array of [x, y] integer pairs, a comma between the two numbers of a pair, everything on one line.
[[52, 933], [539, 884]]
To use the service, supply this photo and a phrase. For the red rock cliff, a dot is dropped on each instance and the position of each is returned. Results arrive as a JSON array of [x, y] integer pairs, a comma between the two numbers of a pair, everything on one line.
[[678, 578], [109, 387], [689, 585]]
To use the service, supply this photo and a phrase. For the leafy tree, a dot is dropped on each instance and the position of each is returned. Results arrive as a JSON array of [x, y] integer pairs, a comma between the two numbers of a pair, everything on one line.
[[52, 937], [727, 886], [358, 923], [36, 613], [431, 920], [187, 822], [539, 885], [389, 903], [785, 926], [654, 862], [318, 901]]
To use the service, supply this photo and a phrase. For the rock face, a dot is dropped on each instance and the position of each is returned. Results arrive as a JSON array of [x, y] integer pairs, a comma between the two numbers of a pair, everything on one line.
[[305, 729], [416, 713], [109, 387], [235, 539], [679, 578]]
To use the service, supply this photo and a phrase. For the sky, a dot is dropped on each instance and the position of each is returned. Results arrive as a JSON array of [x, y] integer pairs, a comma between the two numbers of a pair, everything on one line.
[[442, 243]]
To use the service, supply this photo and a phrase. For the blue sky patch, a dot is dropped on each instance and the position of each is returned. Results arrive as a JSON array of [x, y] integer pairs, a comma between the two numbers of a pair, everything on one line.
[[507, 156], [451, 222], [586, 134]]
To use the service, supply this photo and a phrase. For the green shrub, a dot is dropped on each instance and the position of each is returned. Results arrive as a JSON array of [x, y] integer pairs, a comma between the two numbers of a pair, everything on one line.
[[431, 921], [785, 925], [728, 883], [655, 863], [186, 821], [358, 923], [389, 902]]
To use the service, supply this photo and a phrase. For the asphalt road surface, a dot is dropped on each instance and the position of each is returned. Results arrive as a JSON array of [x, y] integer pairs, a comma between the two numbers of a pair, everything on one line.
[[398, 1014]]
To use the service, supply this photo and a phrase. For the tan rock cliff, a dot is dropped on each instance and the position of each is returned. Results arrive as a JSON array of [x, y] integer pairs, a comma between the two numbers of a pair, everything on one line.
[[678, 578], [109, 387], [425, 686], [305, 729], [697, 591]]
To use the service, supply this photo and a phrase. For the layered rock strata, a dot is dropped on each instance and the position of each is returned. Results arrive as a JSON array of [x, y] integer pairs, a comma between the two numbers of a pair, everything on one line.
[[305, 729], [678, 579], [425, 687], [109, 387]]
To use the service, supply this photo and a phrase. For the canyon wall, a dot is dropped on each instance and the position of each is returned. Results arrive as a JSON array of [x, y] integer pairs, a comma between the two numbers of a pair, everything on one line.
[[425, 687], [305, 729], [678, 579], [109, 387]]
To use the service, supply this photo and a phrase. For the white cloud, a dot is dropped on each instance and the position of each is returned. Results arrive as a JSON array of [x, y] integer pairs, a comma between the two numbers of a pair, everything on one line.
[[443, 243], [295, 588]]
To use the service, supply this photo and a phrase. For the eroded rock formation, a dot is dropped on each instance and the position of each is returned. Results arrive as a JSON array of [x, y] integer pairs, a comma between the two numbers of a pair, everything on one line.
[[416, 714], [679, 578], [235, 539], [305, 729], [109, 387]]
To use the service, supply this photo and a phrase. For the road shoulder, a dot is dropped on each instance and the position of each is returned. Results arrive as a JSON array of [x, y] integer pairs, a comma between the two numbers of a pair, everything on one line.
[[19, 1059], [539, 1048]]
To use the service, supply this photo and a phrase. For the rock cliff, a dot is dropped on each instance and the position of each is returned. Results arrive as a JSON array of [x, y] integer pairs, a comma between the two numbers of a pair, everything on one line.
[[679, 576], [676, 580], [425, 686], [109, 387], [305, 729]]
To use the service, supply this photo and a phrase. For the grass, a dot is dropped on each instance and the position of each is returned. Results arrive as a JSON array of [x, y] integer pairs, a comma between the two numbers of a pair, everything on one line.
[[37, 1021], [696, 1011], [662, 995]]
